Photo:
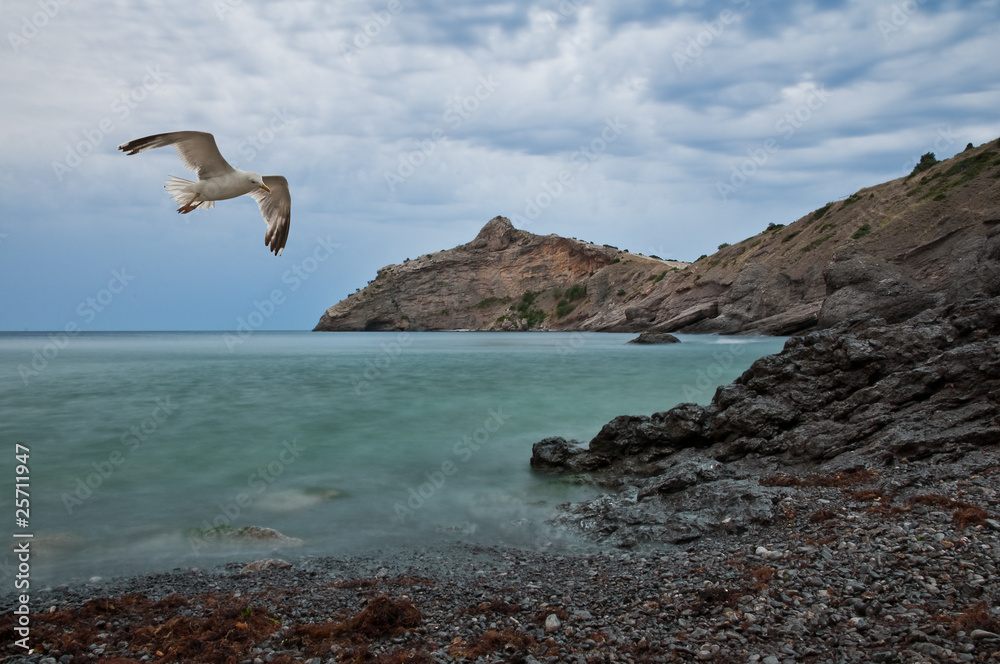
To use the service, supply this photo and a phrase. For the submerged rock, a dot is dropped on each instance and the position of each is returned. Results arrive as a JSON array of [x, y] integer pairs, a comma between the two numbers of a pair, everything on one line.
[[266, 563], [251, 534]]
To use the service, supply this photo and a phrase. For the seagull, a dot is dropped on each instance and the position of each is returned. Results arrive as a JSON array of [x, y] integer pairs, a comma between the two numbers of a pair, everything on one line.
[[217, 181]]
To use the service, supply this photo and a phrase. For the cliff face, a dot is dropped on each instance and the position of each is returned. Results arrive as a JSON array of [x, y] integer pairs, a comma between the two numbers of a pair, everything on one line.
[[505, 279], [893, 250]]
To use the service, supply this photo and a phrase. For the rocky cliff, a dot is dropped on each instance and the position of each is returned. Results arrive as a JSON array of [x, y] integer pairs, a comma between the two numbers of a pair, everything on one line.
[[894, 249], [891, 405], [505, 279]]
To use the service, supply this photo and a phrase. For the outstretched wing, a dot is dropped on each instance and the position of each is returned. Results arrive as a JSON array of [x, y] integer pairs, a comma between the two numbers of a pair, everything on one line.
[[197, 150], [276, 208]]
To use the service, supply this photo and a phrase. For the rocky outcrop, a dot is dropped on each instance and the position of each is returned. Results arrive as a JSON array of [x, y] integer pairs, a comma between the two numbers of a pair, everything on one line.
[[857, 282], [891, 250], [652, 338], [865, 394], [505, 279]]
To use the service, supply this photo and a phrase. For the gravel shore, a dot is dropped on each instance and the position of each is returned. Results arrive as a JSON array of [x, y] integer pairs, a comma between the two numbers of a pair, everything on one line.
[[898, 565]]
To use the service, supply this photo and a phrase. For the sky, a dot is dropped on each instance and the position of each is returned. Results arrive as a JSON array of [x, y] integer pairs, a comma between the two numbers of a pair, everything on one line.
[[403, 126]]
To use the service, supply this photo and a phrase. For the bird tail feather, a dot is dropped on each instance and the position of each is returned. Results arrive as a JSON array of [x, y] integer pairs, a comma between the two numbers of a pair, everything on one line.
[[181, 191]]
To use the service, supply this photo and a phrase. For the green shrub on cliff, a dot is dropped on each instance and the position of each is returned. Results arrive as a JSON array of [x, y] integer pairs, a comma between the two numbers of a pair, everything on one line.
[[576, 292], [527, 310], [927, 160], [491, 301], [567, 303]]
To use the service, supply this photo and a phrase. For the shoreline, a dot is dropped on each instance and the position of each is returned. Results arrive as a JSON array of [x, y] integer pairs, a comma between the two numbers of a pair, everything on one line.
[[881, 567], [836, 503]]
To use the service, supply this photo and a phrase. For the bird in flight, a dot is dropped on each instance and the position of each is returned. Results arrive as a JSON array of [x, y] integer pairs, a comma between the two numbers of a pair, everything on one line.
[[217, 181]]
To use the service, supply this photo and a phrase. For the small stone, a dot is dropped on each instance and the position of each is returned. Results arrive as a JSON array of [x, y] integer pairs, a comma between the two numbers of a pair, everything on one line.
[[552, 623], [983, 634], [266, 563], [993, 523], [859, 623], [771, 659]]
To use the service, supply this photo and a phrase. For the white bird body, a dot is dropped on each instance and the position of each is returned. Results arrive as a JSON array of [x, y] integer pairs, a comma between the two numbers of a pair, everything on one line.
[[231, 185], [218, 181]]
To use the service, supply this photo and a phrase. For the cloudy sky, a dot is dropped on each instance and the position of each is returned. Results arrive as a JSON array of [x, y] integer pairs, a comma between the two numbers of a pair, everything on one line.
[[403, 126]]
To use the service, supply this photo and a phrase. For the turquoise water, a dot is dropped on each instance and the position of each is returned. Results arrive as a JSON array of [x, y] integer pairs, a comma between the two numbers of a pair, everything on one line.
[[141, 443]]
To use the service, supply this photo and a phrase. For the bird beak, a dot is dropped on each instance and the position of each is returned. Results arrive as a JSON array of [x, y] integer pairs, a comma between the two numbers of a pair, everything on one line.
[[265, 187]]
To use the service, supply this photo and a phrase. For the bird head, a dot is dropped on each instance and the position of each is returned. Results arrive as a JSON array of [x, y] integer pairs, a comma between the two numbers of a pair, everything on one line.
[[259, 181]]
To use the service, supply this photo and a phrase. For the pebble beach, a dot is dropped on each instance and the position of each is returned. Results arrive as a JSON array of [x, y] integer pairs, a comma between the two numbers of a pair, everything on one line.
[[895, 565]]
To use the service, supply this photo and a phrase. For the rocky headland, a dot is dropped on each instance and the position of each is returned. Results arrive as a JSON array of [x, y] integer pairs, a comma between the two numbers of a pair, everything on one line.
[[894, 250], [879, 405], [505, 279]]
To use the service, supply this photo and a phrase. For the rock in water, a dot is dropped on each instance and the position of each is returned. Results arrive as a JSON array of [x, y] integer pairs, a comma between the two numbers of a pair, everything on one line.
[[655, 338]]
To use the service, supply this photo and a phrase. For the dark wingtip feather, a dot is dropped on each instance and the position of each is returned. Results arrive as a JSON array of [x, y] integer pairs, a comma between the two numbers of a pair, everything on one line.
[[138, 145]]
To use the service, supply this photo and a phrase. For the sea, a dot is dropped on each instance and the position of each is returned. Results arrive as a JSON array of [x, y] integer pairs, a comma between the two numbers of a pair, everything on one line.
[[127, 453]]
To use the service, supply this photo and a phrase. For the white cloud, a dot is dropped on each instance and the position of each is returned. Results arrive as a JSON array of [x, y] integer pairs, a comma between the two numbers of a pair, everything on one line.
[[370, 83]]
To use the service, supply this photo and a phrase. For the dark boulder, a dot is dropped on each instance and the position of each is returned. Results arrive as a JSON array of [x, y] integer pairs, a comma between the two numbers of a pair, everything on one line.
[[858, 283], [655, 338]]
